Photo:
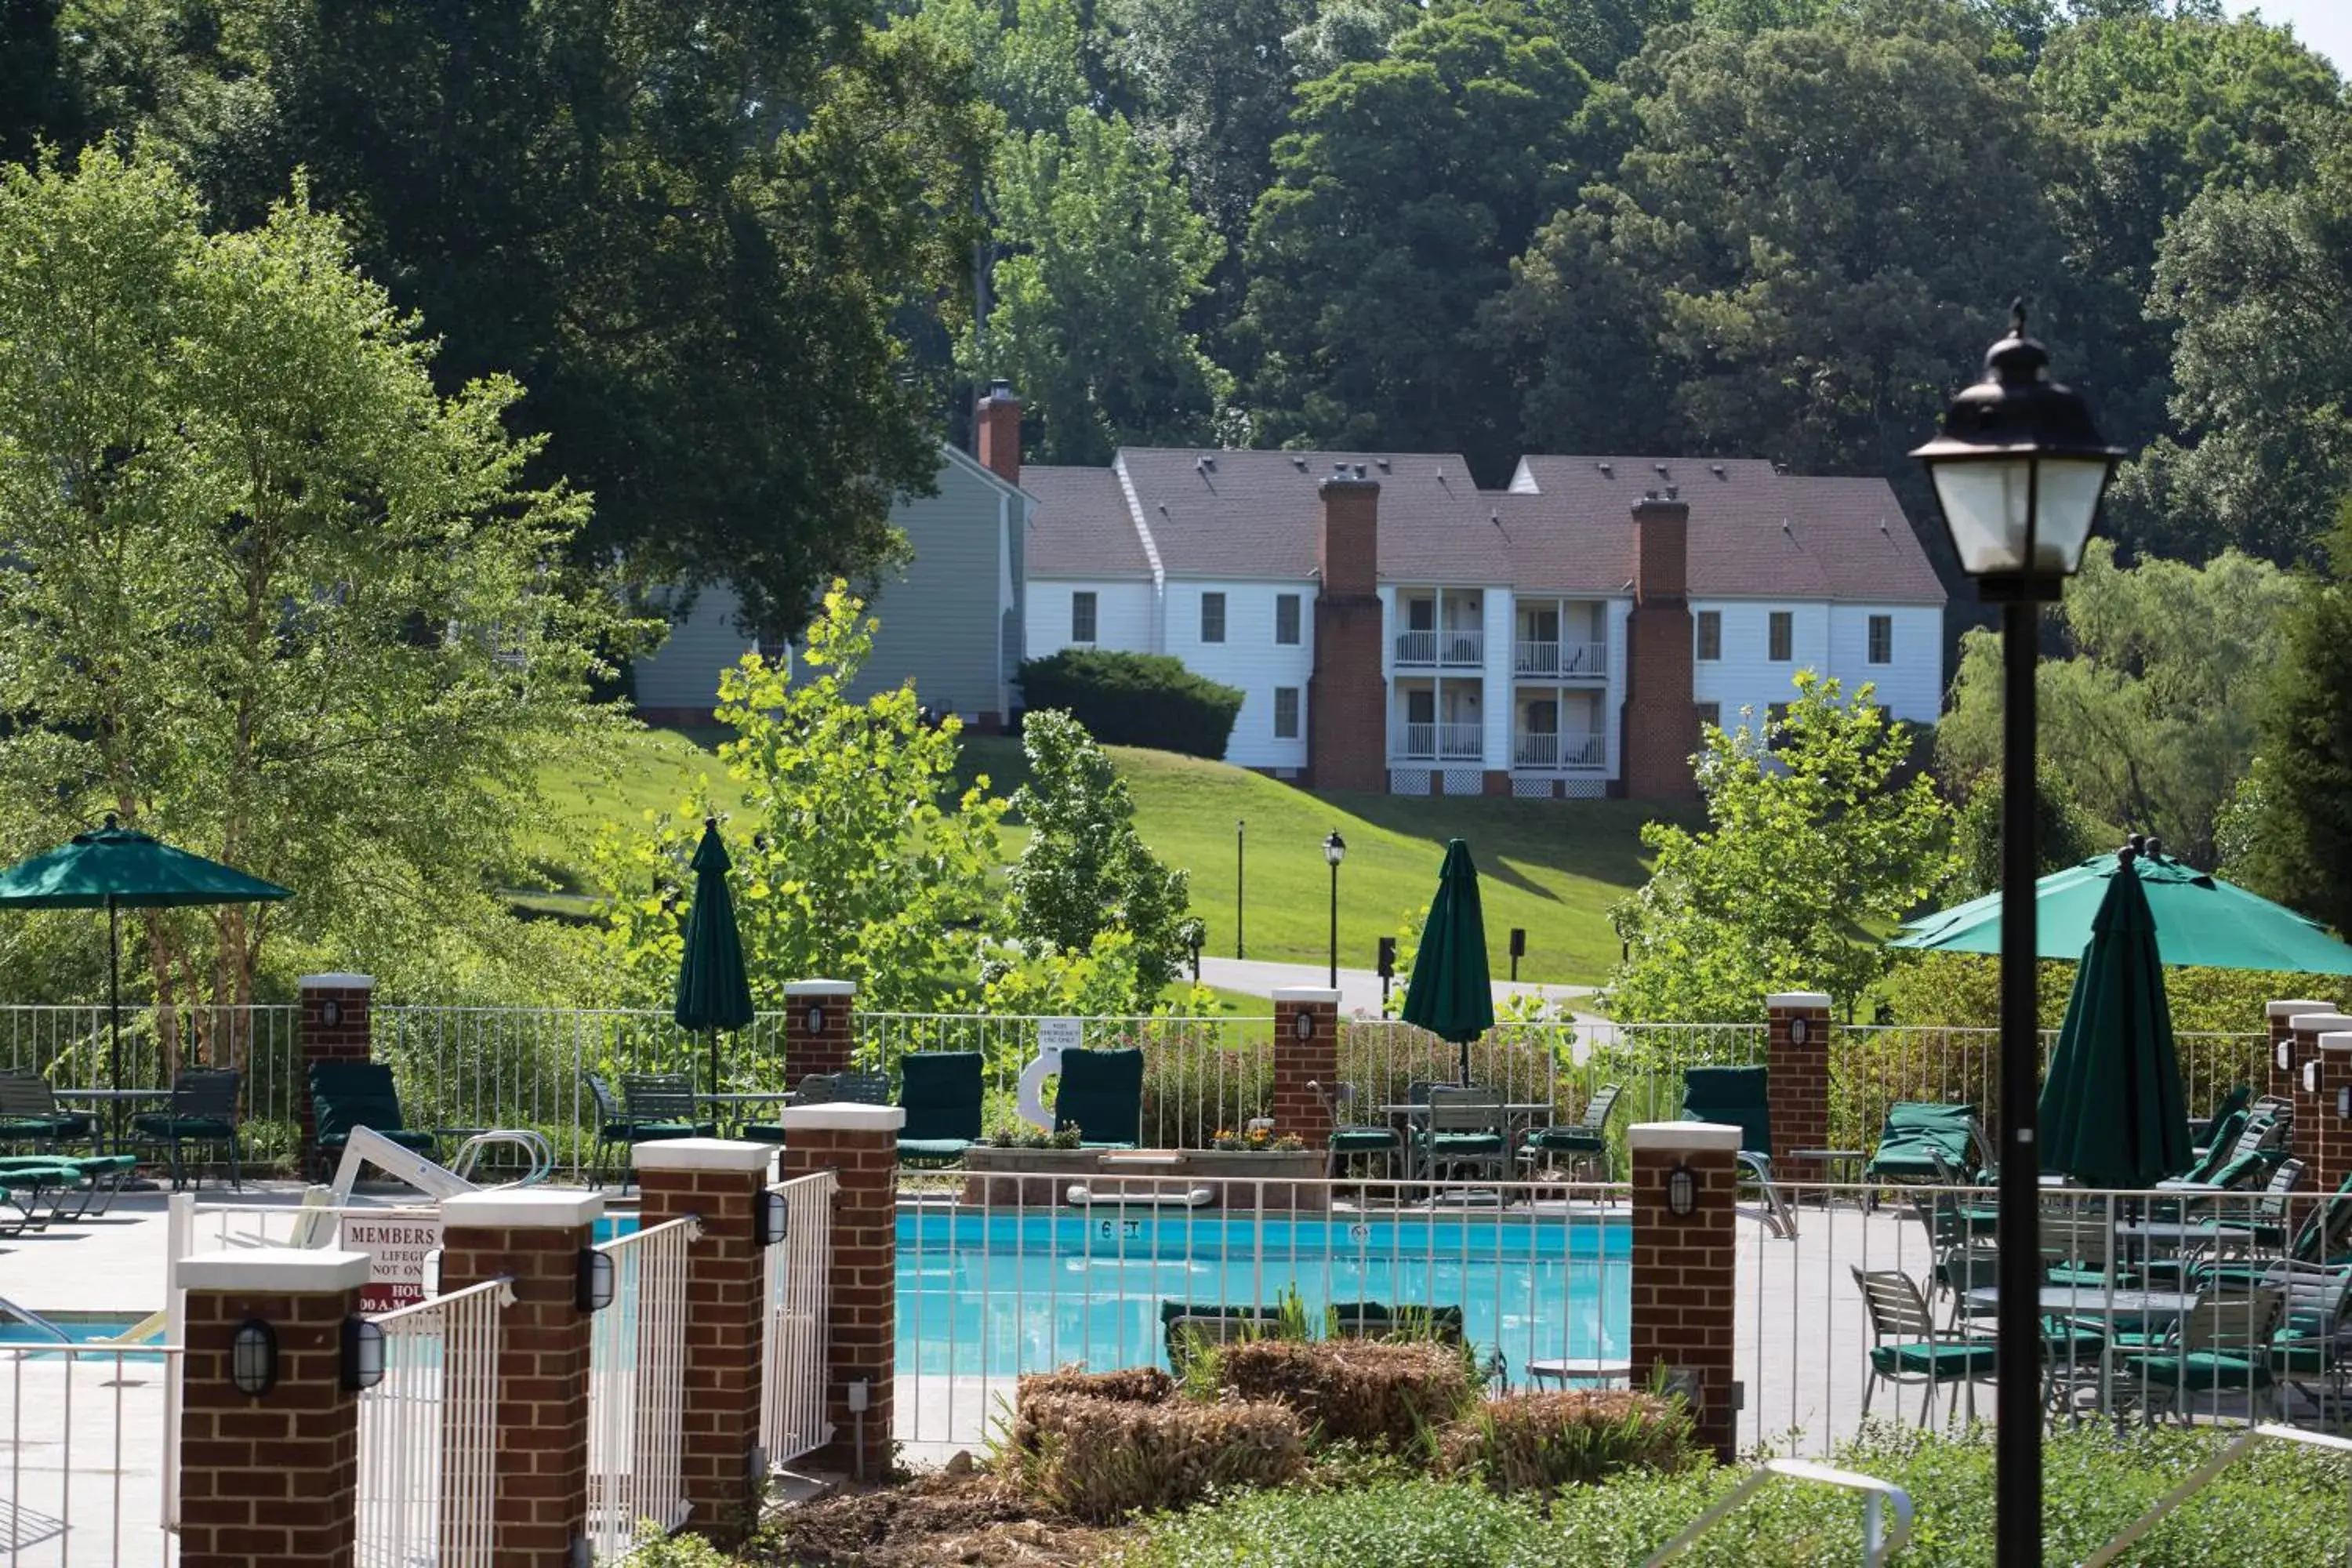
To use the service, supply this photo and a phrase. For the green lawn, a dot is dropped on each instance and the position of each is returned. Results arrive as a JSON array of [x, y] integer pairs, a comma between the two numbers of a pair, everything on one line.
[[1553, 867]]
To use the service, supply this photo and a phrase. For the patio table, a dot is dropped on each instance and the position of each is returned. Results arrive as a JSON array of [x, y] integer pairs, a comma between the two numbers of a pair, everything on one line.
[[741, 1101], [2096, 1301]]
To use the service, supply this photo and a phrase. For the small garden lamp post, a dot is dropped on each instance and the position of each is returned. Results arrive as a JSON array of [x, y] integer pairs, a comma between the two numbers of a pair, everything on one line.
[[1335, 849], [2019, 473], [1241, 828]]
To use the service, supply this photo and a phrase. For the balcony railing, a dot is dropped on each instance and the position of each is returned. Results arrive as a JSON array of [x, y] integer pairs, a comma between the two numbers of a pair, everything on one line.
[[1557, 752], [1561, 658], [1443, 742], [1447, 647]]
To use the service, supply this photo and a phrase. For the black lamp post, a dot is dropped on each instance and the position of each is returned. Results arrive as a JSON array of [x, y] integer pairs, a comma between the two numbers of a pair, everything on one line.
[[1238, 826], [2019, 473], [1335, 849]]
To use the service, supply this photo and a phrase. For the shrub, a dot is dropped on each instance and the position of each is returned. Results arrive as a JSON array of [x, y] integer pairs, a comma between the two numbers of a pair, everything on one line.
[[1136, 699], [1542, 1442], [1128, 1385], [1099, 1459], [1368, 1391]]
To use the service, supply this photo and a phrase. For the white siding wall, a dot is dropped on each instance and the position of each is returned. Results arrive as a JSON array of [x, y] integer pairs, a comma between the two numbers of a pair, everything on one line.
[[1249, 658], [1122, 616], [1613, 706], [684, 671], [1911, 686], [1502, 631], [1743, 676]]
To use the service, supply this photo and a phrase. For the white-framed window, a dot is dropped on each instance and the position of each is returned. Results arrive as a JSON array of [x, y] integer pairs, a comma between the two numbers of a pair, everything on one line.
[[1882, 640], [1710, 636], [1082, 616], [1710, 715], [1286, 619], [1213, 618], [1780, 636], [1286, 712]]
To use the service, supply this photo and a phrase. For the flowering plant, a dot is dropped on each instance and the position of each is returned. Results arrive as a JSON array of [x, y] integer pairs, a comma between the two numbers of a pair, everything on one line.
[[1257, 1140]]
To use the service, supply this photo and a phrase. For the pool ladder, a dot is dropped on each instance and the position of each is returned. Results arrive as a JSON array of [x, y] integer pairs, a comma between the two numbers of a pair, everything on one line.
[[33, 1320]]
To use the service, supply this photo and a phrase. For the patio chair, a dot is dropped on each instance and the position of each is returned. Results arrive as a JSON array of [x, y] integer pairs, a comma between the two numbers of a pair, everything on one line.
[[1378, 1320], [2199, 1129], [1352, 1139], [1101, 1095], [1186, 1326], [2261, 1144], [30, 1114], [204, 1112], [1464, 1129], [1905, 1346], [1734, 1096], [825, 1089], [658, 1105], [97, 1177], [942, 1093], [1582, 1143], [347, 1095], [1915, 1136], [25, 1187], [1965, 1258], [2222, 1346]]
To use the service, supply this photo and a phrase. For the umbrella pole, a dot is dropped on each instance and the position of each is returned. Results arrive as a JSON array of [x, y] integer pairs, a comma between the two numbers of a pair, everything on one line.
[[114, 988]]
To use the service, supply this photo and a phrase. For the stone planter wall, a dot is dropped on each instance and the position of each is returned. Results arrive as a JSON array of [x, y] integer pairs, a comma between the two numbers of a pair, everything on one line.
[[1246, 1180], [1032, 1178]]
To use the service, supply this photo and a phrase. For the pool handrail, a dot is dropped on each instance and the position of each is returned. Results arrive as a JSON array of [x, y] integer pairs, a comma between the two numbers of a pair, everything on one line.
[[1878, 1543], [34, 1321]]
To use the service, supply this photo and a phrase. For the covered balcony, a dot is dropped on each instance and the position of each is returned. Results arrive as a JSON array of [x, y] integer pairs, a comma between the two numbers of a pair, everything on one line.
[[1542, 752], [1454, 743], [1439, 629], [1560, 639]]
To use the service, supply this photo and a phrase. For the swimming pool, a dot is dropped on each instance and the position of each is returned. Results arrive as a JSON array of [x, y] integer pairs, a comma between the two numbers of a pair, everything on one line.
[[992, 1295]]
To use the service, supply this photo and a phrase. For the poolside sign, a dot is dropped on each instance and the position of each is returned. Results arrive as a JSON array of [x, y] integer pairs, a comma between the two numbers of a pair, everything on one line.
[[397, 1247]]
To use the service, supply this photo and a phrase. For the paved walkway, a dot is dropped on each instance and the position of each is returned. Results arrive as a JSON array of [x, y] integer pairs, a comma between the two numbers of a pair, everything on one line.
[[1360, 989]]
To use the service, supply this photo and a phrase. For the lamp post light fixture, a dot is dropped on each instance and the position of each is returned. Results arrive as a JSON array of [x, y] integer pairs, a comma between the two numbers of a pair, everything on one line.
[[253, 1358], [1240, 826], [2018, 472], [1681, 1190], [1335, 849]]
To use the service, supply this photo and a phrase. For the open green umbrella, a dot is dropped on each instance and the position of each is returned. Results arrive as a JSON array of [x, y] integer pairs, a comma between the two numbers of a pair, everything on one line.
[[2112, 1114], [2201, 920], [1451, 996], [116, 869], [712, 993]]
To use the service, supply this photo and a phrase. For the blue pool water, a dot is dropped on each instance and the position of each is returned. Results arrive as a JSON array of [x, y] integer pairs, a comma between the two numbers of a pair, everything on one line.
[[78, 1328], [993, 1295]]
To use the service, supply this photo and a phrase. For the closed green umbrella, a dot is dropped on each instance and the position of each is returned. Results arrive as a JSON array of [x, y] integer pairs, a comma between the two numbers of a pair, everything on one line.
[[115, 868], [712, 993], [2112, 1114], [1451, 996], [2202, 920]]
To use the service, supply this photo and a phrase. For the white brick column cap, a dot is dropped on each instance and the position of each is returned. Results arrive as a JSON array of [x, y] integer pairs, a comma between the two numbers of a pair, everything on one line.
[[820, 987], [1818, 1001], [701, 1154], [2291, 1010], [292, 1271], [338, 983], [842, 1116], [1296, 994], [524, 1208], [1684, 1137], [2319, 1023], [2337, 1040]]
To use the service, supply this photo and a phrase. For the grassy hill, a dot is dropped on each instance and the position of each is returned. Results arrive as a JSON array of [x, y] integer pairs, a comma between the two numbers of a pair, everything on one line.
[[1553, 867]]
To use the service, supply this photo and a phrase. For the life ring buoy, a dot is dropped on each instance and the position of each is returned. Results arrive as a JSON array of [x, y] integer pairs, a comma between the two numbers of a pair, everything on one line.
[[1031, 1102]]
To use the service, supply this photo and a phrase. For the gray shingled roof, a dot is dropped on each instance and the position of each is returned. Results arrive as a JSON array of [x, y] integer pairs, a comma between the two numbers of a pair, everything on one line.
[[1080, 526], [1565, 526]]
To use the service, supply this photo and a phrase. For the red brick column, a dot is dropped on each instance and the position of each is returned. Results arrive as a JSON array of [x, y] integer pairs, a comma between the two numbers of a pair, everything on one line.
[[2324, 1135], [1797, 1078], [270, 1480], [818, 1037], [2304, 1031], [2292, 1044], [335, 1027], [861, 1142], [1302, 1060], [533, 1237], [725, 1277], [1685, 1267]]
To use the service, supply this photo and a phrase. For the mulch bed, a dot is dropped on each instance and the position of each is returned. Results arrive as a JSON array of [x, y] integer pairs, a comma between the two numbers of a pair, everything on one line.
[[949, 1520]]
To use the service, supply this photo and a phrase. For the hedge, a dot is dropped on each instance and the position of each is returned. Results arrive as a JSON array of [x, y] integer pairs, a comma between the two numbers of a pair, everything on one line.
[[1136, 699]]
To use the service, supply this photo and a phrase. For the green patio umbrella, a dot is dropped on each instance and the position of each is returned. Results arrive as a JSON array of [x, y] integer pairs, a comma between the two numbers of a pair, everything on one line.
[[1451, 996], [116, 869], [2201, 920], [2112, 1114], [712, 993]]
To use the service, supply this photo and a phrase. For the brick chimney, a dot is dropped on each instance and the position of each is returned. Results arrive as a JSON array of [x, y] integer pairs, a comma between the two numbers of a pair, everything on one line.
[[1661, 712], [996, 432], [1347, 701]]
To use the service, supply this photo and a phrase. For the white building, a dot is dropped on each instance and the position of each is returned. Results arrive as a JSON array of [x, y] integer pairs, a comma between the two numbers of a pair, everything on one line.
[[1565, 636]]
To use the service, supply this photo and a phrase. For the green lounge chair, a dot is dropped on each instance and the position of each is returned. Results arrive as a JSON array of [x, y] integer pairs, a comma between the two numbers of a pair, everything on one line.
[[942, 1093], [1101, 1095], [348, 1095], [1378, 1320], [1916, 1135], [1581, 1143], [1734, 1096], [29, 1113], [25, 1187], [1905, 1346], [97, 1177], [2237, 1100], [1356, 1140], [1186, 1326], [204, 1112], [825, 1089]]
